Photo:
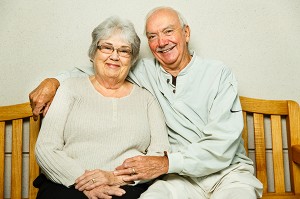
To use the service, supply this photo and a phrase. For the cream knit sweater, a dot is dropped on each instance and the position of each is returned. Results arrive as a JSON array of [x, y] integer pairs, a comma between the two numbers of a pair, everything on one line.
[[84, 130]]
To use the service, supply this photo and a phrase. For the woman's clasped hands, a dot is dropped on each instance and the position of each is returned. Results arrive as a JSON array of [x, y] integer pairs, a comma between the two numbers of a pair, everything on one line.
[[99, 184]]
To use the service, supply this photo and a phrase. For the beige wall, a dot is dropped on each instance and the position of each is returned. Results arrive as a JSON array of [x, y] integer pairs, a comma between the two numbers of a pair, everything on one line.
[[259, 40]]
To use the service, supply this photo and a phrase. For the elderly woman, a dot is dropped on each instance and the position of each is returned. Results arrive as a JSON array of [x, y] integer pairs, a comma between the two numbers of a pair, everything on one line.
[[96, 122]]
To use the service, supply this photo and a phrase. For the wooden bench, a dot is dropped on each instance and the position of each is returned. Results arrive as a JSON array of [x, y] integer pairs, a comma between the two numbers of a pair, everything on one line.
[[255, 109], [276, 111], [15, 116]]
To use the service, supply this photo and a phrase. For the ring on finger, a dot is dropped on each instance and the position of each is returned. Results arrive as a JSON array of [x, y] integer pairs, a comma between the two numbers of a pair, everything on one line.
[[133, 171], [93, 180]]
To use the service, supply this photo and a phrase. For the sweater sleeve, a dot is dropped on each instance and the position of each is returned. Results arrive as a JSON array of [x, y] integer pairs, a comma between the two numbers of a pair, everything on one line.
[[54, 162], [158, 129]]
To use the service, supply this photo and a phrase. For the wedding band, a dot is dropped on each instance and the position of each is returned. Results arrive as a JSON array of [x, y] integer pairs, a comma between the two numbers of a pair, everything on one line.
[[93, 180], [133, 171]]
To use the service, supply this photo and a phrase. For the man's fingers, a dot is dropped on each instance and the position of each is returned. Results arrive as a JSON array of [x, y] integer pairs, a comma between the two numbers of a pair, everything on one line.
[[132, 178], [128, 163], [37, 111], [35, 118], [41, 97], [38, 108], [46, 108], [128, 171], [121, 167]]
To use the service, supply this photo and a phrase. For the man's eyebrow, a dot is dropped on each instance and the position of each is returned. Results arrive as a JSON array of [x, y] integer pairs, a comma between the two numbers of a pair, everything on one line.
[[169, 26], [149, 33]]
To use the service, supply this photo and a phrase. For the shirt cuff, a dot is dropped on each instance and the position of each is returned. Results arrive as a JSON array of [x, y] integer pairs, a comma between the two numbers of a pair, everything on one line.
[[175, 162]]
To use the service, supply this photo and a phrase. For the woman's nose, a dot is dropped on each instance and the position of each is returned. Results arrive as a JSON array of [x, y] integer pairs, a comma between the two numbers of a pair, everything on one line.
[[114, 55]]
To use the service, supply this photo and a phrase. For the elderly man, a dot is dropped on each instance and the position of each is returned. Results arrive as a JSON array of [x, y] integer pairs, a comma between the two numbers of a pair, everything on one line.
[[203, 114]]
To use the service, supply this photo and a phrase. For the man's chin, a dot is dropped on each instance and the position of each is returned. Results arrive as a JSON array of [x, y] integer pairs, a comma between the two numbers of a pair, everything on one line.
[[166, 59]]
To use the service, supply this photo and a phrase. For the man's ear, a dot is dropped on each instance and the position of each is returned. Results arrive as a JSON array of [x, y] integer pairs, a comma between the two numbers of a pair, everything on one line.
[[187, 32]]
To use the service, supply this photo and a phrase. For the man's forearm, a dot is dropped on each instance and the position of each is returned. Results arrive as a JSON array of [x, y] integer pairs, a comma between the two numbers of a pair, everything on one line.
[[75, 72]]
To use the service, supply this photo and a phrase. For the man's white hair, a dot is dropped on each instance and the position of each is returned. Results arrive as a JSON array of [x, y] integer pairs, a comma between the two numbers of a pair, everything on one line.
[[182, 20]]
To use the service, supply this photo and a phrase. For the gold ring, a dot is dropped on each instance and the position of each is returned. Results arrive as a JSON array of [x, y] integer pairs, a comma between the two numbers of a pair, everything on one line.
[[133, 171], [93, 180]]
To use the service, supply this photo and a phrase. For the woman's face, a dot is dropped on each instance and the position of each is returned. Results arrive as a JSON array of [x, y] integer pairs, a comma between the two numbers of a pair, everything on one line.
[[113, 58]]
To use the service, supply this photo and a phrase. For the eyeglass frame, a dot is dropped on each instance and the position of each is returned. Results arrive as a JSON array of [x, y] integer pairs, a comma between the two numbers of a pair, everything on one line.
[[99, 47]]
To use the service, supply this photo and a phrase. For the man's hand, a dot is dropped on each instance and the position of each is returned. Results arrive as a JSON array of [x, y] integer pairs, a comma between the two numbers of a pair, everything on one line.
[[41, 97], [143, 167], [104, 192]]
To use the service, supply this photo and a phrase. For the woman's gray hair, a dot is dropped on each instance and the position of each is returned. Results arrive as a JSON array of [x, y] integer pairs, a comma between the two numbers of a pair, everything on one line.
[[182, 20], [110, 26]]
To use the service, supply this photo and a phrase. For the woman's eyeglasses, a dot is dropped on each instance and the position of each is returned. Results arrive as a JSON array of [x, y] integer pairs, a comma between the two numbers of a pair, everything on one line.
[[109, 49]]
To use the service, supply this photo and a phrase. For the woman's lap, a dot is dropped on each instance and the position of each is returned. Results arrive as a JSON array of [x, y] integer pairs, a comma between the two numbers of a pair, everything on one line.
[[51, 190]]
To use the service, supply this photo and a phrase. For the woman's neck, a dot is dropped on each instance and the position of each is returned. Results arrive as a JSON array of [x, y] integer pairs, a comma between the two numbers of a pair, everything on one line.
[[111, 87]]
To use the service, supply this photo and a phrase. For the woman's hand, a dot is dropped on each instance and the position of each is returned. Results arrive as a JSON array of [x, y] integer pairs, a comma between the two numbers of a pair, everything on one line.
[[94, 178], [104, 192]]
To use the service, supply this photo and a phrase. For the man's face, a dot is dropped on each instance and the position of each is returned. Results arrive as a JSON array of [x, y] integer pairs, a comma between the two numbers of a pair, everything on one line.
[[167, 39]]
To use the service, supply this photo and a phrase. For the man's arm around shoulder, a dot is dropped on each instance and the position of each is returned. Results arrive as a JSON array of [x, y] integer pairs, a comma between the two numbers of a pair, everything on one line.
[[42, 96]]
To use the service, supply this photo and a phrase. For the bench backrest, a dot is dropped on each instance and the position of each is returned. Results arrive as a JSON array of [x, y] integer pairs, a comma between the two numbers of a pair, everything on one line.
[[278, 120], [15, 117]]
